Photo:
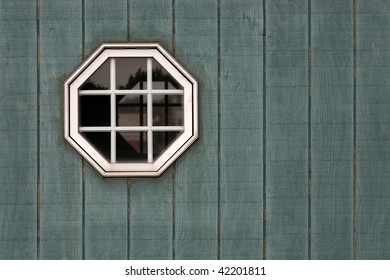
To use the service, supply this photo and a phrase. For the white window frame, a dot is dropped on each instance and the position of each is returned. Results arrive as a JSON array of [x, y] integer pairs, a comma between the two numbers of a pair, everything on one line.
[[153, 167]]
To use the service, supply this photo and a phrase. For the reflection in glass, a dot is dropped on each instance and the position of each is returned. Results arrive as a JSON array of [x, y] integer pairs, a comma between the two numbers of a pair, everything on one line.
[[100, 79], [131, 73], [162, 79], [131, 110], [162, 140], [131, 146], [95, 110], [168, 110], [101, 141]]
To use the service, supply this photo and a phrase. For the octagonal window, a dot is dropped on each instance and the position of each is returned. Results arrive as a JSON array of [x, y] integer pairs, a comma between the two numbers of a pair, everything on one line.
[[131, 109]]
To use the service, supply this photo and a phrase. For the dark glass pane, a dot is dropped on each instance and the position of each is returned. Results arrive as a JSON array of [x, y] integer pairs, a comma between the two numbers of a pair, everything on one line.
[[162, 140], [131, 146], [162, 79], [95, 110], [100, 79], [131, 73], [158, 116], [101, 141], [168, 110]]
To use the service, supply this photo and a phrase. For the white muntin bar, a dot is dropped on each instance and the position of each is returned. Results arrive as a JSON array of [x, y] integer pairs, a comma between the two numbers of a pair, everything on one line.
[[168, 91], [168, 128], [149, 108], [113, 109], [95, 128], [130, 91]]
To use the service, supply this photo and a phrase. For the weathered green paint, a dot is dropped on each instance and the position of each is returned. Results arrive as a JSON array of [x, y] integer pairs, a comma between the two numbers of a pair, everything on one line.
[[151, 200], [196, 201], [60, 165], [373, 130], [332, 129], [210, 204], [287, 129], [241, 126], [18, 130]]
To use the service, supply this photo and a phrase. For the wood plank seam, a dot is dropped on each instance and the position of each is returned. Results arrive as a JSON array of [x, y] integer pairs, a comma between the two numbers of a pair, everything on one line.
[[128, 217], [38, 130], [219, 129], [83, 163], [128, 19], [174, 212], [173, 27], [264, 135], [354, 130], [83, 28], [309, 183]]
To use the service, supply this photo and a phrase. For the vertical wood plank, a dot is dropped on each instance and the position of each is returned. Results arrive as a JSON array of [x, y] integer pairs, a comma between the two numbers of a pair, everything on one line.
[[60, 165], [18, 129], [287, 129], [105, 198], [152, 20], [332, 129], [197, 169], [105, 21], [373, 130], [241, 129], [151, 228]]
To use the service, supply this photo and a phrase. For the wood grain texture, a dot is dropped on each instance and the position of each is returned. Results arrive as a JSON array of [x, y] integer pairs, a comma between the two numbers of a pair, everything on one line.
[[151, 218], [287, 129], [241, 127], [60, 165], [151, 209], [105, 217], [196, 202], [106, 204], [210, 204], [332, 129], [373, 130], [105, 21], [18, 130], [152, 20]]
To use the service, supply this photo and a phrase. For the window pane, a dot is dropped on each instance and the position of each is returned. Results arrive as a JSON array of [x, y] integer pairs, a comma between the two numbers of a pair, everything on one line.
[[100, 79], [162, 140], [162, 79], [131, 110], [131, 73], [131, 146], [101, 141], [95, 110], [168, 110]]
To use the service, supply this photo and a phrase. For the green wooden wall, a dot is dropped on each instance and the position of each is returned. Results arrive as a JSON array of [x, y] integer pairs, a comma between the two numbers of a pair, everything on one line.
[[293, 159]]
